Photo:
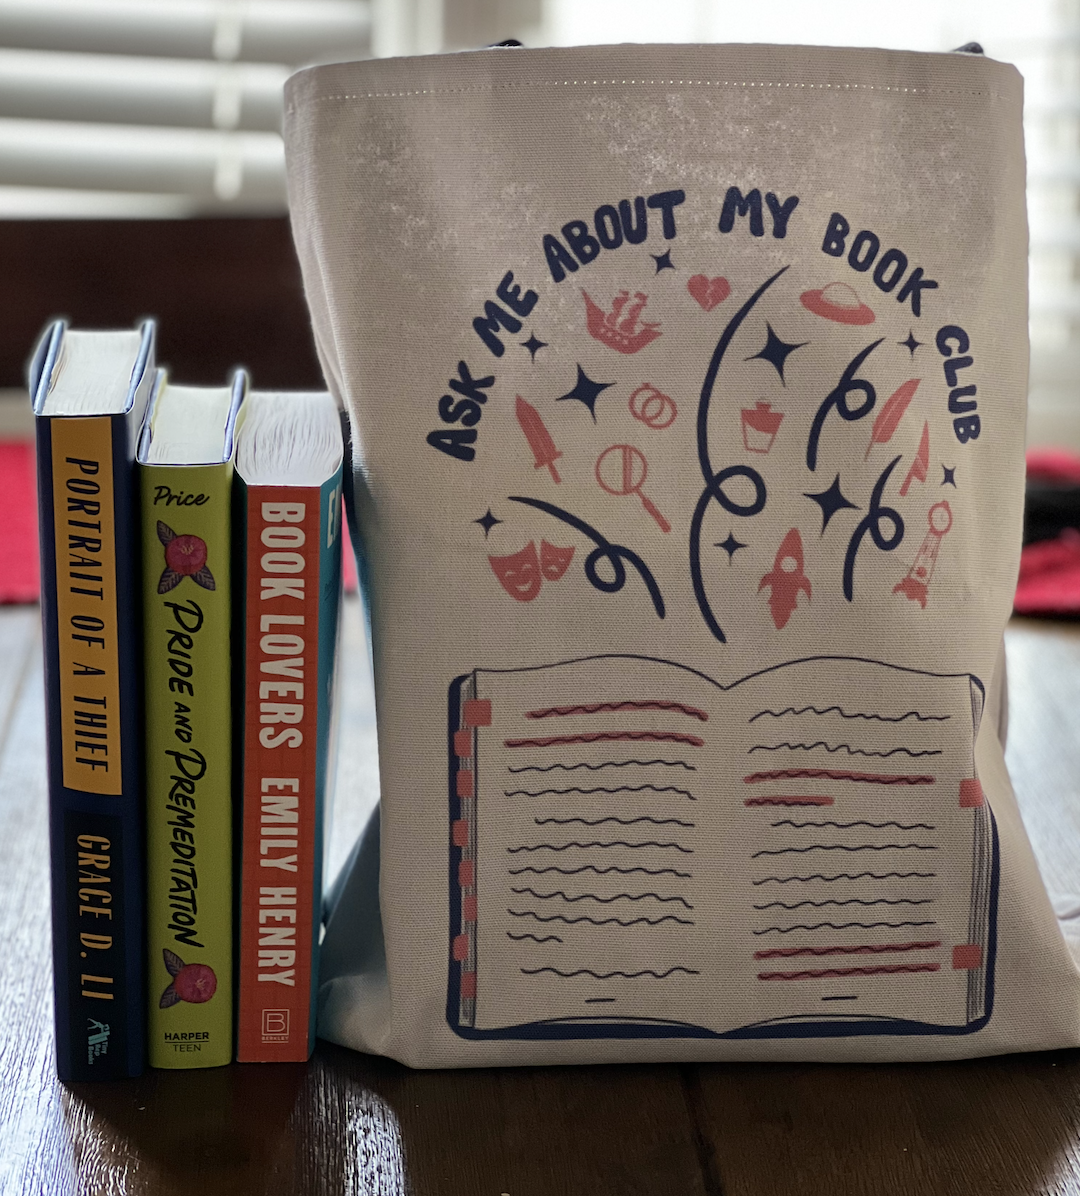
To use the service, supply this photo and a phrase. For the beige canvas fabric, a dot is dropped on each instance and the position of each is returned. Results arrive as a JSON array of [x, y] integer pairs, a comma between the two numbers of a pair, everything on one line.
[[687, 389]]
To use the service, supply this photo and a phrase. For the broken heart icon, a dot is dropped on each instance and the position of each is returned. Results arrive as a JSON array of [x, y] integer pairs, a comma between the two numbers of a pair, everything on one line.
[[708, 291]]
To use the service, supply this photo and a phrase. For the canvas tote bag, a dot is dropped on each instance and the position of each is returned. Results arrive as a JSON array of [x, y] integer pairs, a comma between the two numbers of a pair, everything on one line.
[[687, 390]]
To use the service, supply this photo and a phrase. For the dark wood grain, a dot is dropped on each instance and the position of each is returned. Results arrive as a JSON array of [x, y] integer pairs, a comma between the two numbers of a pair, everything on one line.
[[345, 1123], [349, 1123], [1007, 1125], [1044, 742], [226, 292]]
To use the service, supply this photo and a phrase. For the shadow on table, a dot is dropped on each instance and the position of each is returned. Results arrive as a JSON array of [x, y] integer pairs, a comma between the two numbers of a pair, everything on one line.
[[204, 1132], [348, 1123], [1008, 1124]]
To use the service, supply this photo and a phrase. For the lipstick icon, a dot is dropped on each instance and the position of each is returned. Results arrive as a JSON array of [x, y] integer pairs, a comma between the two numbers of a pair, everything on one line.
[[759, 426]]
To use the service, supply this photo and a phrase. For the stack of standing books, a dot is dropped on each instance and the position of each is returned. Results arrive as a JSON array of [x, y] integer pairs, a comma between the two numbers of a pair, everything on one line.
[[191, 576]]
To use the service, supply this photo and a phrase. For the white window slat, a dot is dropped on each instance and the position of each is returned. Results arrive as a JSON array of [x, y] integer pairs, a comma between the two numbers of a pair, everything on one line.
[[207, 166], [116, 88], [63, 203], [283, 31]]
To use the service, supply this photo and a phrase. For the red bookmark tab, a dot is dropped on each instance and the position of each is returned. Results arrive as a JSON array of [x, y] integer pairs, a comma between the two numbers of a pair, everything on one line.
[[971, 794], [463, 743], [464, 783], [477, 712], [459, 833], [468, 984], [966, 957], [466, 874], [460, 949], [468, 909]]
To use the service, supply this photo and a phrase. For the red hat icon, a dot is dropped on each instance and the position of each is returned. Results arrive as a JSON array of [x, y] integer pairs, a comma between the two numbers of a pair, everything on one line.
[[837, 302]]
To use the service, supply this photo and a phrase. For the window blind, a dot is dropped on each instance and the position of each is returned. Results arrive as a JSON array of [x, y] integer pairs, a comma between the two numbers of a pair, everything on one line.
[[173, 107]]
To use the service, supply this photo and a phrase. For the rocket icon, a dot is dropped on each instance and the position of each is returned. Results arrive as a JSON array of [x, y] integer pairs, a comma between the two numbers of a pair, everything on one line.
[[786, 579]]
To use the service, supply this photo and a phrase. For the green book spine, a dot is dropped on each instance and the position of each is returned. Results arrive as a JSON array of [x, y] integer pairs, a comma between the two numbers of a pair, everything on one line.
[[187, 602]]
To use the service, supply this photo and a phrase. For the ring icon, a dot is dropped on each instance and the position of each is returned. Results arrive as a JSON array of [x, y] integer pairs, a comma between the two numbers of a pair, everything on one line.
[[654, 408]]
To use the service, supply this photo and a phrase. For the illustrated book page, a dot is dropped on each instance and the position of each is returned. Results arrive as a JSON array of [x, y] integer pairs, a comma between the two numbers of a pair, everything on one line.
[[634, 843]]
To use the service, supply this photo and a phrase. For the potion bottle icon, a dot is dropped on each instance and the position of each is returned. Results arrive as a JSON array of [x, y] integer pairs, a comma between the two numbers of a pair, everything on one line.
[[759, 426]]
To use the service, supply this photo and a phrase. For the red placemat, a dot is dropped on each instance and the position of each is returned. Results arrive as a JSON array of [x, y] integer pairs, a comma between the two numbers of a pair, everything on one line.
[[1049, 581], [19, 580], [1053, 465]]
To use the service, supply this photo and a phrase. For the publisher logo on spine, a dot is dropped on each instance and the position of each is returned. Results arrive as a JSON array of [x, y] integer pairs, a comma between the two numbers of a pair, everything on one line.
[[97, 1039], [275, 1025]]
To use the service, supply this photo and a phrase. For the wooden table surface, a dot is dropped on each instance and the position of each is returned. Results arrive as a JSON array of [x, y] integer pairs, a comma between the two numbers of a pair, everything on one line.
[[346, 1123]]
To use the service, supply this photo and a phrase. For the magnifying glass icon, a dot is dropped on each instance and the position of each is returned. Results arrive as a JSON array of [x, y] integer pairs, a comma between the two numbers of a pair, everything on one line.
[[622, 469]]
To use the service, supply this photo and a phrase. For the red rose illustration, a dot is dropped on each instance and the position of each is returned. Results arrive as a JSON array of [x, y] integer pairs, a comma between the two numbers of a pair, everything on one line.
[[185, 556], [195, 983]]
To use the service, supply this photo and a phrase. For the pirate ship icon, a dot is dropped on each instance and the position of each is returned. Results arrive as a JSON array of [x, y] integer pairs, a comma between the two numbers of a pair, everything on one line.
[[622, 328]]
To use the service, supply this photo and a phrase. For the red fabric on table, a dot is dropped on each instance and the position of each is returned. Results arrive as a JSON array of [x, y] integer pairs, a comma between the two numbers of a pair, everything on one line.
[[1053, 466], [19, 579], [1049, 581]]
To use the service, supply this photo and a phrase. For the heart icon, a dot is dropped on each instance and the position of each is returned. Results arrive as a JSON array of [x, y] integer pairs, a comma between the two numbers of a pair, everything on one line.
[[708, 291]]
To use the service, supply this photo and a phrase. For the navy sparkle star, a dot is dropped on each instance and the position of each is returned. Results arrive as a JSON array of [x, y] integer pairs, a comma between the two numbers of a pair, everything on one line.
[[487, 522], [533, 344], [911, 344], [830, 501], [586, 391], [662, 260], [731, 546], [950, 476], [776, 351]]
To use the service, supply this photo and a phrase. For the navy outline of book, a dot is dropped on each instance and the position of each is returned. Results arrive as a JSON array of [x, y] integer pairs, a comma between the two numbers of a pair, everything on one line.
[[121, 815], [837, 1025]]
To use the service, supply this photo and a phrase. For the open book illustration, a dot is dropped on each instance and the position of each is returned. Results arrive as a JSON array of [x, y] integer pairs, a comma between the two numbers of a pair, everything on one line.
[[638, 850]]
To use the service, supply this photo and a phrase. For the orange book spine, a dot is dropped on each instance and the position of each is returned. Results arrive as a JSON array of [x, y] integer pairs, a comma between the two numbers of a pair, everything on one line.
[[280, 824]]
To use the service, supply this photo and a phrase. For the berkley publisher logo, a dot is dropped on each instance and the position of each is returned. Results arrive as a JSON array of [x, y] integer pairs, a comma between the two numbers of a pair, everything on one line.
[[275, 1025], [97, 1039]]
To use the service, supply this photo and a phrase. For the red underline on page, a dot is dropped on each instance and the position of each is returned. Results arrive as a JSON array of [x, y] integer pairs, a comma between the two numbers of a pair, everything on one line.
[[607, 737], [788, 801], [597, 707], [884, 970], [830, 774], [860, 949]]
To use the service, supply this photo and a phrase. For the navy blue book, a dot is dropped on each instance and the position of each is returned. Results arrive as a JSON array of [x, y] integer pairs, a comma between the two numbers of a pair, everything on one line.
[[89, 391]]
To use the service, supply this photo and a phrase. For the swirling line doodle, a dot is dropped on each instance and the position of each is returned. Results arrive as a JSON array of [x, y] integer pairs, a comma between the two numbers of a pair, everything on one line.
[[614, 554], [654, 408], [871, 523], [715, 481], [837, 397]]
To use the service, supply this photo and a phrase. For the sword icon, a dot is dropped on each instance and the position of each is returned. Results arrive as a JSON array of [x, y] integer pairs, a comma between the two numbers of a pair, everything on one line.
[[539, 438]]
